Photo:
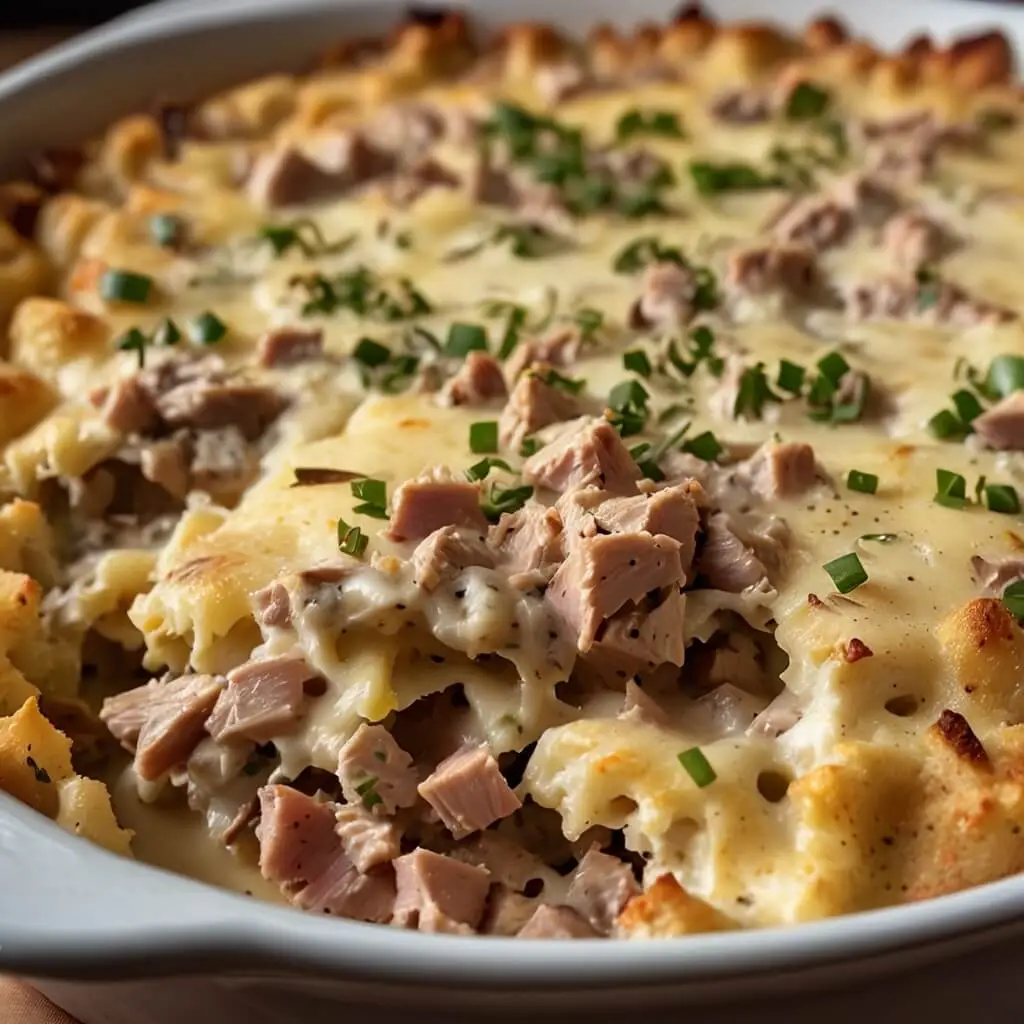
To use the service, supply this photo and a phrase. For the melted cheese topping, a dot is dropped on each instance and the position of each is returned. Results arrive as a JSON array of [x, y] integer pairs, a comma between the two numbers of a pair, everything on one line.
[[858, 804]]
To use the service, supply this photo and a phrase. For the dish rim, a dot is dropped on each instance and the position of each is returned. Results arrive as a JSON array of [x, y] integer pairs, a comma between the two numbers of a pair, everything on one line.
[[156, 923]]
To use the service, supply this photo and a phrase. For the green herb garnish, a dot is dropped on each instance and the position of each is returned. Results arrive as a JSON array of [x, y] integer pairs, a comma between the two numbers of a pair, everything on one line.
[[483, 437], [207, 329], [305, 235], [481, 470], [950, 489], [752, 394], [351, 540], [847, 572], [465, 338], [1013, 598], [166, 229], [500, 500], [865, 483], [367, 792], [662, 123], [791, 377], [807, 101], [697, 767], [1001, 498], [133, 340], [125, 286], [374, 497], [371, 353], [636, 361]]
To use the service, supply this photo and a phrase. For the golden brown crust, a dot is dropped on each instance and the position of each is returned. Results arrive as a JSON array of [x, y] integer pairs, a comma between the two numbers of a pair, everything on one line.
[[666, 909]]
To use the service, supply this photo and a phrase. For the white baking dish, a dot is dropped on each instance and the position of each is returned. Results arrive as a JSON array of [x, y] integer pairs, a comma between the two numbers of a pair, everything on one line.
[[121, 943]]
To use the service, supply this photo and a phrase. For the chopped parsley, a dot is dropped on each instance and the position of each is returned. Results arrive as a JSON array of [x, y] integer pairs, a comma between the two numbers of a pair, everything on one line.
[[371, 353], [806, 102], [125, 286], [752, 394], [627, 407], [207, 329], [697, 767], [374, 497], [367, 792], [481, 470], [500, 500], [945, 425], [305, 235], [950, 489], [1013, 598], [846, 572], [712, 179], [530, 446], [483, 437], [527, 241], [351, 540], [361, 292], [554, 379], [704, 446], [865, 483], [588, 321], [465, 338], [133, 340], [1005, 375], [643, 251], [636, 361], [663, 123], [791, 377], [166, 229], [167, 334], [1001, 498]]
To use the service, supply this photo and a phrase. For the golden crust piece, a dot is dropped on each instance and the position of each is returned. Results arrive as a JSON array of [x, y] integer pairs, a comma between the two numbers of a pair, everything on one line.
[[666, 910]]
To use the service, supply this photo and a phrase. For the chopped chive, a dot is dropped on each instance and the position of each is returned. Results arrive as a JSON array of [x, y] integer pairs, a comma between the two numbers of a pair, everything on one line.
[[807, 101], [483, 437], [505, 499], [371, 353], [166, 229], [133, 340], [367, 792], [1005, 375], [866, 483], [636, 361], [1002, 498], [627, 393], [510, 338], [1013, 598], [374, 497], [705, 446], [752, 394], [945, 425], [554, 379], [697, 767], [480, 470], [979, 488], [589, 322], [124, 286], [968, 408], [530, 446], [465, 338], [950, 489], [351, 540], [833, 367], [791, 377], [658, 122], [207, 329], [167, 334], [847, 572]]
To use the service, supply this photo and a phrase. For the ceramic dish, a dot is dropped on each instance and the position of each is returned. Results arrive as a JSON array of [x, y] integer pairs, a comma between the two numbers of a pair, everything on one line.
[[75, 915]]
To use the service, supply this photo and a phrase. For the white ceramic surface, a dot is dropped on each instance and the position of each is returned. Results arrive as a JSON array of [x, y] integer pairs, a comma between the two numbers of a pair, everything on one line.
[[92, 925]]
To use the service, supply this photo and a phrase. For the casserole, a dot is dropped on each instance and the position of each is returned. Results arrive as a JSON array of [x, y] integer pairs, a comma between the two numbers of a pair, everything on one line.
[[529, 964]]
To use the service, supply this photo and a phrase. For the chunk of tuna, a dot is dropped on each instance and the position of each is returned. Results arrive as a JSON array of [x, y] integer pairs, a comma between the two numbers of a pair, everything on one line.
[[375, 771], [262, 700], [302, 853], [817, 222], [439, 894], [912, 240], [586, 453], [368, 841], [742, 106], [601, 886], [288, 346], [528, 539], [478, 381], [667, 296], [868, 199], [559, 350], [604, 573], [936, 301], [161, 722], [671, 511], [558, 82], [791, 269], [1002, 426], [490, 184], [652, 632], [425, 174], [728, 563], [127, 407], [785, 470], [532, 405], [446, 552], [639, 706], [469, 792], [408, 127], [272, 606], [209, 405], [507, 911], [434, 499], [166, 463], [556, 923]]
